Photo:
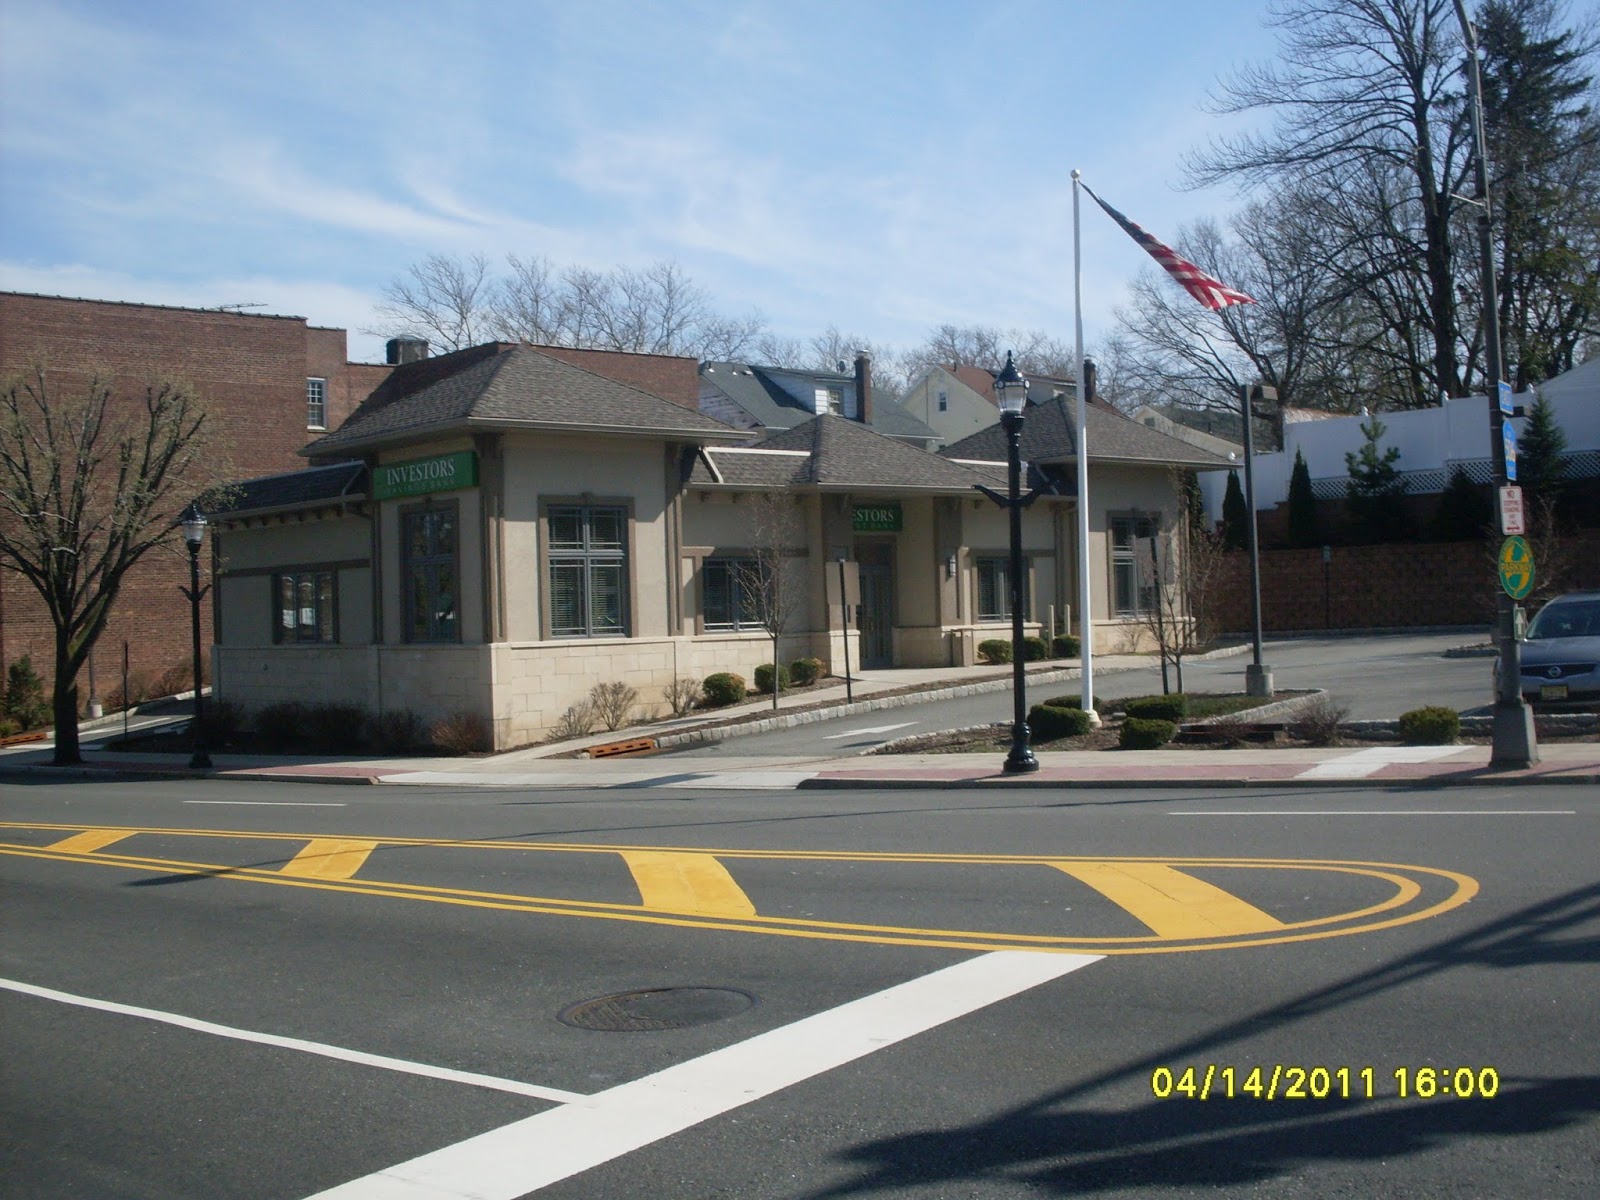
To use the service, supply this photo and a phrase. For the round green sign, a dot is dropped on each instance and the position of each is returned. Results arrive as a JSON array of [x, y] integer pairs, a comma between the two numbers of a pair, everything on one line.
[[1516, 567]]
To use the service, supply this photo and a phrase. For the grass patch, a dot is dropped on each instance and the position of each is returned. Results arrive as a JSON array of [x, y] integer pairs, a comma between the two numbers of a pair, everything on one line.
[[1214, 704]]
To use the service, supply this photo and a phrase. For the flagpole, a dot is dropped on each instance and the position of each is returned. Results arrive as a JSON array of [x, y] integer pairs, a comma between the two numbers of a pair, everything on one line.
[[1085, 612]]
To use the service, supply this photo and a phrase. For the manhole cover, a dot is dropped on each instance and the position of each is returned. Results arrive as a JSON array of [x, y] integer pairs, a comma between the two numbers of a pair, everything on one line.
[[657, 1008]]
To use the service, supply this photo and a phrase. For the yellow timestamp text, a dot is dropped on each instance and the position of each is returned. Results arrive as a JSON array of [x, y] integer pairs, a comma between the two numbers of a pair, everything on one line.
[[1279, 1081]]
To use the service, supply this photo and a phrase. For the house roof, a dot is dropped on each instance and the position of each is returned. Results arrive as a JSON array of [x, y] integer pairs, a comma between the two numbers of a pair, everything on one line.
[[510, 386], [296, 489], [755, 389], [833, 453], [1049, 434]]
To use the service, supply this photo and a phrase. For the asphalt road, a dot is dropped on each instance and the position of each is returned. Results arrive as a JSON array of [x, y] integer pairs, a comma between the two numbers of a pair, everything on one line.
[[1376, 678], [941, 994]]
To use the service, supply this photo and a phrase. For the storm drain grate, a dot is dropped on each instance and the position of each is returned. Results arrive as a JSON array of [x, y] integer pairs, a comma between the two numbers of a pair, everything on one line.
[[652, 1009]]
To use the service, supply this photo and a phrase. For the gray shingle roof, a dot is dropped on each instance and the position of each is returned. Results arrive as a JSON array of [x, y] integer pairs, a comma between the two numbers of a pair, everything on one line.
[[840, 455], [517, 386], [1049, 434], [296, 489], [754, 389]]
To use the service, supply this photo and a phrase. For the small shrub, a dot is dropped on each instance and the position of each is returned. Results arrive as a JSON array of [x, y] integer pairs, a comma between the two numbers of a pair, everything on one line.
[[764, 678], [461, 733], [1141, 733], [1047, 722], [722, 689], [222, 722], [177, 679], [1065, 645], [1157, 708], [8, 726], [396, 731], [1035, 649], [1231, 729], [1430, 726], [994, 650], [334, 729], [281, 726], [578, 721], [141, 686], [1318, 720], [806, 671], [683, 695], [25, 702], [1073, 701], [613, 703]]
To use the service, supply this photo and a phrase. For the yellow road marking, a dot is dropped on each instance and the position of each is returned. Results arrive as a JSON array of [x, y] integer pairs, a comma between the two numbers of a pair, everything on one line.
[[1174, 904], [91, 840], [330, 858], [686, 883]]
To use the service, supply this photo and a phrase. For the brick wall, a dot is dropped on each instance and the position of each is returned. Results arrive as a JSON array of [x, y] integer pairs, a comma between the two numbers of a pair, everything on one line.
[[249, 371], [669, 376], [1401, 585]]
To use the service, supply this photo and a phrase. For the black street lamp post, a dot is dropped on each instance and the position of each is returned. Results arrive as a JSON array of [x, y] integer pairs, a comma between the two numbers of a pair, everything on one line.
[[1012, 390], [194, 535], [1257, 677]]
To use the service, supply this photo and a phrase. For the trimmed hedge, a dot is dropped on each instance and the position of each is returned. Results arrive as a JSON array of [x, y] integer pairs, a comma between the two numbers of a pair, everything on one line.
[[1430, 726], [1073, 701], [806, 670], [1065, 645], [722, 689], [764, 678], [1157, 708], [1035, 649], [1140, 733], [1047, 722], [994, 650]]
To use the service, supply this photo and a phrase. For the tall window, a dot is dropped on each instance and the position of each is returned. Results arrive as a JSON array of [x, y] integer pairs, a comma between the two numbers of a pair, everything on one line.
[[730, 594], [317, 403], [429, 549], [306, 607], [588, 571], [1134, 578], [944, 401], [994, 590]]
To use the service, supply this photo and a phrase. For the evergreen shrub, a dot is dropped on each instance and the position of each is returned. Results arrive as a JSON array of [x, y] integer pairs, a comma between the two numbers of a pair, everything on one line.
[[806, 671], [722, 689], [1047, 722], [1157, 708], [764, 678], [994, 650], [1065, 645], [1139, 733], [1430, 726]]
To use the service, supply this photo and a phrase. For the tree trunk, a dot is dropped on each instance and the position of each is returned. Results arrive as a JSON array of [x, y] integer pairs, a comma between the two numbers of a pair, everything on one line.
[[66, 707]]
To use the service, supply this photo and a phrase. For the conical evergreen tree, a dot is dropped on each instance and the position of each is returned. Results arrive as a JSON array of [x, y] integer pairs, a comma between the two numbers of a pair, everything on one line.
[[1375, 488], [1234, 515], [1464, 510], [1304, 529], [1539, 454]]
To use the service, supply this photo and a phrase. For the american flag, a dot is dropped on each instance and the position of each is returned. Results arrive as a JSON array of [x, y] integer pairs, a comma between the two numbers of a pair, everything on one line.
[[1213, 293]]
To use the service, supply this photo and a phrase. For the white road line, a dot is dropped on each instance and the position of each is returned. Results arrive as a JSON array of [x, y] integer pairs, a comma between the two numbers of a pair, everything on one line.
[[287, 1043], [274, 803], [1363, 763], [1381, 812], [539, 1150]]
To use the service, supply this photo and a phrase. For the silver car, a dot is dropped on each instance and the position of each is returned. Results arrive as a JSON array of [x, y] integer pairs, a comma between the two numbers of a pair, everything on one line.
[[1561, 658]]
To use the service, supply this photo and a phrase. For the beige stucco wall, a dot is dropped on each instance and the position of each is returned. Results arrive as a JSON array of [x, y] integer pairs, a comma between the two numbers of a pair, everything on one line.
[[247, 559]]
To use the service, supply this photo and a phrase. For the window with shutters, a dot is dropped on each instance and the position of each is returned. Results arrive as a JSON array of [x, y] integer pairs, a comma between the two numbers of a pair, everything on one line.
[[587, 555]]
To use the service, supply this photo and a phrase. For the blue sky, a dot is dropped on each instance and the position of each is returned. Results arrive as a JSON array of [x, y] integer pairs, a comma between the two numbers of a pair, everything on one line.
[[879, 166]]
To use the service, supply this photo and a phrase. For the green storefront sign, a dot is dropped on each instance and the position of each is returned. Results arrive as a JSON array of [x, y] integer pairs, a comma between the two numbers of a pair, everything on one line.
[[876, 518], [420, 476]]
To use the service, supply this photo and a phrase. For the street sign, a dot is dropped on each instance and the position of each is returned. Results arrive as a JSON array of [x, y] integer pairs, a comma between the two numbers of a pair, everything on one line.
[[1511, 513], [1506, 406], [1516, 567], [1508, 431]]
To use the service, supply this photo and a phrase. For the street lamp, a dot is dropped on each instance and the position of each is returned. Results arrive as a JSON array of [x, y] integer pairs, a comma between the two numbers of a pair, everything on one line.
[[194, 535], [1012, 391], [1257, 678]]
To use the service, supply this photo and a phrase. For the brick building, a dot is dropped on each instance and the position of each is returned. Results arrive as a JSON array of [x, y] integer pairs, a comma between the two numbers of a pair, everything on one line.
[[269, 384]]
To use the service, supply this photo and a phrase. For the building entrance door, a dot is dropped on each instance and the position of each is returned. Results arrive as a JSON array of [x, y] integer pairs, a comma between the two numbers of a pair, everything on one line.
[[877, 605]]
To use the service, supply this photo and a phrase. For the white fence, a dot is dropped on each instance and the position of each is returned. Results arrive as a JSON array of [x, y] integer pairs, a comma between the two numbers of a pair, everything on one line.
[[1432, 442]]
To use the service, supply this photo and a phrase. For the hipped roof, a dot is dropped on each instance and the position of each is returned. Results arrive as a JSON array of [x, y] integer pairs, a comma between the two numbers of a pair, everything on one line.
[[1049, 435]]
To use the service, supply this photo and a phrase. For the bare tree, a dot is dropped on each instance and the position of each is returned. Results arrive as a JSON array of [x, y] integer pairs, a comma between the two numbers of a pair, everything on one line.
[[445, 300], [1185, 564], [771, 588], [89, 484], [1037, 353]]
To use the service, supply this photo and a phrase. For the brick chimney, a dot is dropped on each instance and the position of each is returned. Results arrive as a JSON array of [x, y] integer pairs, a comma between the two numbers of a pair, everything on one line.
[[864, 387], [1091, 381], [405, 350]]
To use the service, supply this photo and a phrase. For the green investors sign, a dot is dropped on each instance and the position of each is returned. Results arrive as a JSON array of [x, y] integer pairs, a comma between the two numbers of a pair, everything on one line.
[[876, 518], [442, 473]]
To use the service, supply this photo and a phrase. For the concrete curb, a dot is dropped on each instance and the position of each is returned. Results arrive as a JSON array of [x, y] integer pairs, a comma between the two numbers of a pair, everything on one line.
[[1034, 782]]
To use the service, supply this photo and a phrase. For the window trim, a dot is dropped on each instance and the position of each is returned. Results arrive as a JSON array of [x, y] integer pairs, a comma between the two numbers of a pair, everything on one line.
[[319, 407], [736, 564], [407, 595], [1002, 562], [282, 635], [1129, 557], [549, 556]]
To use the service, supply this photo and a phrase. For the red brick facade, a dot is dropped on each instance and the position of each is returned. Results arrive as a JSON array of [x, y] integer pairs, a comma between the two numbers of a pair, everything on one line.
[[249, 371]]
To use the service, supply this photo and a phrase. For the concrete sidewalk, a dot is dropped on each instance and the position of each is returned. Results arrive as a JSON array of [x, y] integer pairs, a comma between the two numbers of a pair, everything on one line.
[[558, 766]]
